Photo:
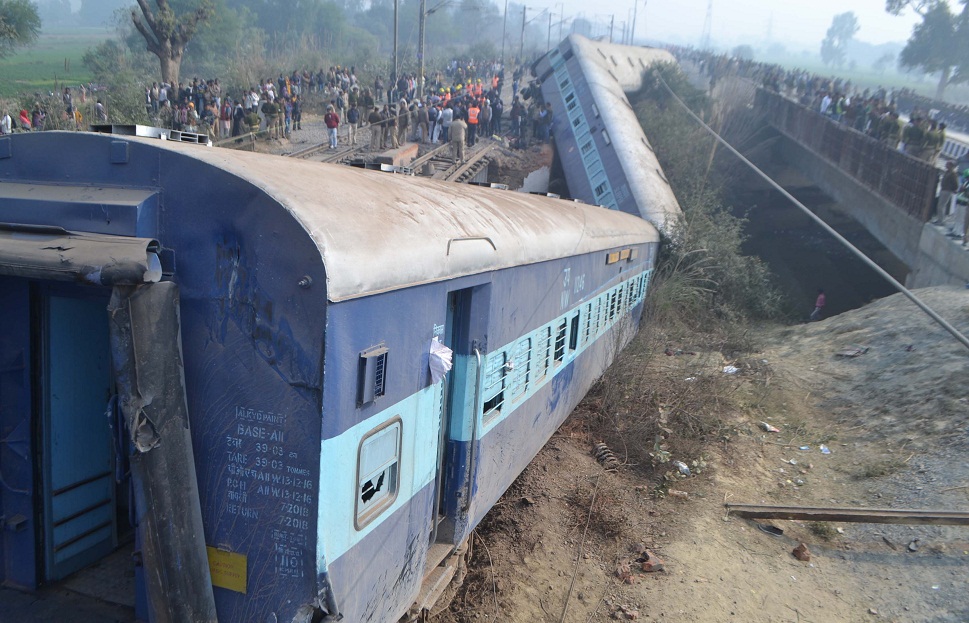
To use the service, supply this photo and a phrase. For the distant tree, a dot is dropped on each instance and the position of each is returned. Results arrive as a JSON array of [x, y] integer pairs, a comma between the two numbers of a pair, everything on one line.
[[883, 63], [895, 7], [167, 33], [938, 45], [842, 30], [743, 52], [19, 25]]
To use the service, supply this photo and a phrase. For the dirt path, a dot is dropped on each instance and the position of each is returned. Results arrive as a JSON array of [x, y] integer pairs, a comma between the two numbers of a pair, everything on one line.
[[896, 423]]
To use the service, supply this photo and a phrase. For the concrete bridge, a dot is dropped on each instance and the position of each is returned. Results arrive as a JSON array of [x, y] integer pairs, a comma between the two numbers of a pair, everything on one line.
[[887, 191]]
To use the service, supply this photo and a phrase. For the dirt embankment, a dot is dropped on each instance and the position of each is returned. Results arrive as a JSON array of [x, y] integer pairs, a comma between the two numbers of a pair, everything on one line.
[[566, 543]]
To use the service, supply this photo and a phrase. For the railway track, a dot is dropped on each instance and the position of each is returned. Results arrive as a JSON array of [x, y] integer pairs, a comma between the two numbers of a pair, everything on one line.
[[436, 163]]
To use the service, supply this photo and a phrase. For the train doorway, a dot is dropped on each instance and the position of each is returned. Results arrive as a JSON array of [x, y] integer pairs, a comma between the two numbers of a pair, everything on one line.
[[463, 334], [57, 451], [455, 330], [77, 475]]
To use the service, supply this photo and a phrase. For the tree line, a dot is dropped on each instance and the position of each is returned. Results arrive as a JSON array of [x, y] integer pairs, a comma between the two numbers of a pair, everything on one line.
[[168, 37]]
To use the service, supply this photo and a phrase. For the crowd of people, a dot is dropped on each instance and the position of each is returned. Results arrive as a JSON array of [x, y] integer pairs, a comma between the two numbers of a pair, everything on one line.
[[874, 112], [463, 92]]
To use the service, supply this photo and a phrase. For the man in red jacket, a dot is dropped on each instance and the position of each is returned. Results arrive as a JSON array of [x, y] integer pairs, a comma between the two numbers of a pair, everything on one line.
[[332, 121]]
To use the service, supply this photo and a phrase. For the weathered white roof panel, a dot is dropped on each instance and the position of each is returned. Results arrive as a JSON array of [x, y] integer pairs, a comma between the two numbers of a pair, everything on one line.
[[380, 231], [612, 71]]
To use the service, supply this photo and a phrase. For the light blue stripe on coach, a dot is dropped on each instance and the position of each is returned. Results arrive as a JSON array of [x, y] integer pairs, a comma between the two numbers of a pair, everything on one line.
[[507, 352], [420, 419]]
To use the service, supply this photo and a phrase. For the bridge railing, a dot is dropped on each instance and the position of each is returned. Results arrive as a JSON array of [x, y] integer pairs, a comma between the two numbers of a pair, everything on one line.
[[906, 182]]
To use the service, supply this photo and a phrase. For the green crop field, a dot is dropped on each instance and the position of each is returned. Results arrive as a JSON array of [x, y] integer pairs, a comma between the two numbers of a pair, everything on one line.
[[53, 61]]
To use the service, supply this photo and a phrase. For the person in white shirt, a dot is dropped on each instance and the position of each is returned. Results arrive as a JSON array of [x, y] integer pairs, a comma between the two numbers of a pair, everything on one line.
[[6, 124]]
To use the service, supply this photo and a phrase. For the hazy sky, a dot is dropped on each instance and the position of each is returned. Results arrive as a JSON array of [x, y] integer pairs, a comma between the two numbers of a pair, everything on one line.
[[794, 23]]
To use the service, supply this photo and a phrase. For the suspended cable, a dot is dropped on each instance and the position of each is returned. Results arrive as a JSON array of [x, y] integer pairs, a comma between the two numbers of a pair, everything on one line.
[[857, 252]]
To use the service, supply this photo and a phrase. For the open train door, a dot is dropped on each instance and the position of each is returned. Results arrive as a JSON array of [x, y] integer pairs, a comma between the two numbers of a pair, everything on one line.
[[463, 332], [68, 346]]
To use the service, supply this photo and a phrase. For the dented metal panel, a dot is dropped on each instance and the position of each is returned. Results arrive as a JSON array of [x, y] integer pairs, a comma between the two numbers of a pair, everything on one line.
[[44, 252]]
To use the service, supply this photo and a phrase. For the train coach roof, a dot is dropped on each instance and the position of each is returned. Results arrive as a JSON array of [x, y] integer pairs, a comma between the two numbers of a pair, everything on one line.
[[611, 71], [379, 231]]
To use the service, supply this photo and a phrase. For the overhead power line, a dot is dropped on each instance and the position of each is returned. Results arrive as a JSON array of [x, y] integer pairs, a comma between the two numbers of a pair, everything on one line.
[[857, 252]]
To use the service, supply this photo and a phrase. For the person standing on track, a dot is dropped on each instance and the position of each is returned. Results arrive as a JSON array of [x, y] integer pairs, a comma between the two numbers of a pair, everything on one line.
[[332, 121], [473, 113], [353, 120], [457, 131], [376, 128]]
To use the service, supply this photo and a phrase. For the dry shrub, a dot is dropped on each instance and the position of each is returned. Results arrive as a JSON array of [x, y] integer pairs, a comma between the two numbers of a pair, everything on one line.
[[652, 409]]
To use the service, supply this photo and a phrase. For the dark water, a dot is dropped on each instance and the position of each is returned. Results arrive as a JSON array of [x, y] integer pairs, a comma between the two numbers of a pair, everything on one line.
[[804, 257]]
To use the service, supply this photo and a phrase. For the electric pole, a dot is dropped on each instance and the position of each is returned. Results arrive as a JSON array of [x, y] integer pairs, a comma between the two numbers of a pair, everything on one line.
[[707, 25], [420, 51], [394, 78], [504, 27]]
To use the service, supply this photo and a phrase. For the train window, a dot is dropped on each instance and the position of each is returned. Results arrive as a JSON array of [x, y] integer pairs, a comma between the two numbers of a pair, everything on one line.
[[572, 105], [574, 332], [494, 383], [598, 325], [612, 305], [521, 366], [619, 299], [605, 137], [587, 147], [601, 189], [560, 334], [378, 472], [372, 374], [564, 84], [543, 350], [577, 122], [570, 97], [588, 323]]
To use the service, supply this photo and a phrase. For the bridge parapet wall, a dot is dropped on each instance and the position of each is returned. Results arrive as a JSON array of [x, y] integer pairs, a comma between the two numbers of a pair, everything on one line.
[[904, 182]]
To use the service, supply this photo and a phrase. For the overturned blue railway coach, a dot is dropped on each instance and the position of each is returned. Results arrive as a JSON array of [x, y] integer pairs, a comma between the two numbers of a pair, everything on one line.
[[333, 472]]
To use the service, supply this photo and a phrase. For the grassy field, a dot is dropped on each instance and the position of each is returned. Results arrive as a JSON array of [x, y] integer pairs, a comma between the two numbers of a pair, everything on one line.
[[55, 60]]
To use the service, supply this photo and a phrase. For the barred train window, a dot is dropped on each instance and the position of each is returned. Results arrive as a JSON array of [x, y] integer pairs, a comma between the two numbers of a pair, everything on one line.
[[378, 468], [521, 366], [543, 351], [494, 383], [560, 335]]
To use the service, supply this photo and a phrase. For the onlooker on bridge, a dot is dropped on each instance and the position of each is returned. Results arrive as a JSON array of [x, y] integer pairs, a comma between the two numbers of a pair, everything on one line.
[[947, 192]]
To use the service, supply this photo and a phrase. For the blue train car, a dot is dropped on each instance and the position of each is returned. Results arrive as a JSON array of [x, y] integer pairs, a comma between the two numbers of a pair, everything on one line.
[[607, 158], [333, 471]]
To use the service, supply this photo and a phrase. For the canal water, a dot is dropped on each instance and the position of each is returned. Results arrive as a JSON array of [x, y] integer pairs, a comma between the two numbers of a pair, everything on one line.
[[802, 255]]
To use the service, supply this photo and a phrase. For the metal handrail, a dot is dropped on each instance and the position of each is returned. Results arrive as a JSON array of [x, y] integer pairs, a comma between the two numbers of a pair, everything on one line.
[[472, 454]]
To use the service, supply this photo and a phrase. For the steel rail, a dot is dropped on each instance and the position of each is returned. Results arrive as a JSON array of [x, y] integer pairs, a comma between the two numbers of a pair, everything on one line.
[[856, 515], [452, 174]]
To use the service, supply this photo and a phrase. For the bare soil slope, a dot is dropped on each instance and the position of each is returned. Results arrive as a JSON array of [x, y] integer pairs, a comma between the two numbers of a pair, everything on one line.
[[894, 421]]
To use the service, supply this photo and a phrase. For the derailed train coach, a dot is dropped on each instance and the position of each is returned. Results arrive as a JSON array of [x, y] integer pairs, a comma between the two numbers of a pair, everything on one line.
[[232, 363]]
